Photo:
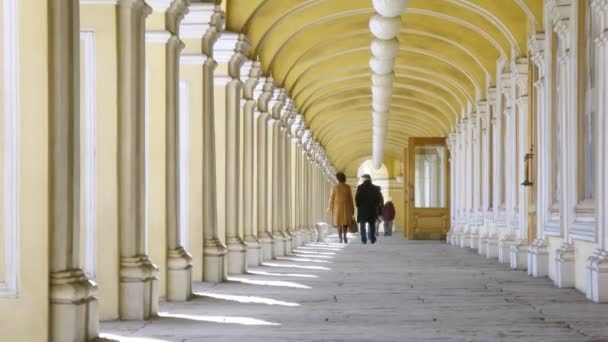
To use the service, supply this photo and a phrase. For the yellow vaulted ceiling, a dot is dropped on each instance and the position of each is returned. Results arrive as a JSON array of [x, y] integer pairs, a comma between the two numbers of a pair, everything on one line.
[[318, 50]]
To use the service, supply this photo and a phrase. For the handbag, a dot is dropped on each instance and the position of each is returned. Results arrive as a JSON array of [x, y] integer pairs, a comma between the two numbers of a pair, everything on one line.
[[352, 227]]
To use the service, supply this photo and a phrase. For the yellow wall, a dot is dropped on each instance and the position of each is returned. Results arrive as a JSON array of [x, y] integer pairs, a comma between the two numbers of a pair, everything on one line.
[[192, 74], [157, 245], [97, 19], [25, 318]]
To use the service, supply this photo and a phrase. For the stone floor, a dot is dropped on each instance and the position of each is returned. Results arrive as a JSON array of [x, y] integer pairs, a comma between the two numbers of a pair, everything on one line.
[[395, 290]]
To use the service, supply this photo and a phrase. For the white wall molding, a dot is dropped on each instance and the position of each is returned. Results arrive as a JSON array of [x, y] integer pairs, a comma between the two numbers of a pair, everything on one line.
[[87, 39], [158, 37], [9, 285], [192, 59], [221, 80], [98, 2]]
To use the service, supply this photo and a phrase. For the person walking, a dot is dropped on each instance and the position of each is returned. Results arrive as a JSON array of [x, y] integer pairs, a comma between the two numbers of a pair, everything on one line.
[[341, 206], [368, 199], [388, 216]]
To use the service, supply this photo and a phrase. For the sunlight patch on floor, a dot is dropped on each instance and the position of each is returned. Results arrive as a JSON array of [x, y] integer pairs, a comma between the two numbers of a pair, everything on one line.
[[296, 250], [129, 338], [278, 283], [217, 319], [246, 299], [312, 256], [271, 264], [324, 249], [294, 275], [305, 260]]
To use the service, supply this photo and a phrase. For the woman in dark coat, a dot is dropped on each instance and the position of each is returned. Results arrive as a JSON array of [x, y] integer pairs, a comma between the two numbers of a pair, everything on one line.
[[388, 216]]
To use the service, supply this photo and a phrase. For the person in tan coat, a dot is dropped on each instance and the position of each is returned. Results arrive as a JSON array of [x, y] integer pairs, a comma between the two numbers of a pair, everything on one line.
[[341, 206]]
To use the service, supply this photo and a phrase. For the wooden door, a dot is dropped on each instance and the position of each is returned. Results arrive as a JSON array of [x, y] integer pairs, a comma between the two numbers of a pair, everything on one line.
[[428, 182]]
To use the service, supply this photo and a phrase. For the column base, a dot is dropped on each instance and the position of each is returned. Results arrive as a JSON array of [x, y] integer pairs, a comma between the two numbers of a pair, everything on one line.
[[448, 237], [596, 272], [564, 266], [278, 246], [214, 255], [179, 275], [138, 289], [267, 246], [314, 236], [254, 251], [464, 240], [504, 250], [293, 240], [538, 259], [73, 307], [299, 238], [237, 256], [474, 240], [482, 244], [455, 238], [519, 255], [491, 247], [287, 243]]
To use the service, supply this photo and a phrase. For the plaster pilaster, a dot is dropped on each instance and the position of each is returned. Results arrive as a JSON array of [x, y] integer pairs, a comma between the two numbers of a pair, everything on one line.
[[138, 292], [73, 312], [249, 235], [264, 220], [179, 261], [237, 248]]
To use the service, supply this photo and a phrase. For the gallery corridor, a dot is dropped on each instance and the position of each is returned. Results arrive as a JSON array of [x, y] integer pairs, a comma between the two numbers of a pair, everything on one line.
[[396, 290]]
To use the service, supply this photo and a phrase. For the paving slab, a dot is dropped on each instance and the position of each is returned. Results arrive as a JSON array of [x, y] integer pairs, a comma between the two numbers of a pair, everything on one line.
[[394, 290]]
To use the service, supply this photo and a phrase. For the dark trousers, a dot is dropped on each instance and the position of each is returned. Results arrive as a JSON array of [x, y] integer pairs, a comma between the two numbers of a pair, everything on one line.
[[371, 233]]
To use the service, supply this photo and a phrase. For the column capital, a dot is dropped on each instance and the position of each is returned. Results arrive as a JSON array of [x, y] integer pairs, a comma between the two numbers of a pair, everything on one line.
[[560, 12], [278, 103], [267, 94], [241, 50], [252, 81], [175, 14], [536, 45], [492, 95], [213, 31]]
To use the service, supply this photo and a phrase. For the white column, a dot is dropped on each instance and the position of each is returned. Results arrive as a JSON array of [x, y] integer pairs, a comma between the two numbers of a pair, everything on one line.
[[538, 255], [484, 169], [250, 236], [596, 272], [450, 145], [138, 295], [276, 194], [492, 240], [519, 250], [508, 145], [475, 175], [465, 181], [214, 251], [179, 261], [567, 68], [264, 221], [73, 307], [237, 257]]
